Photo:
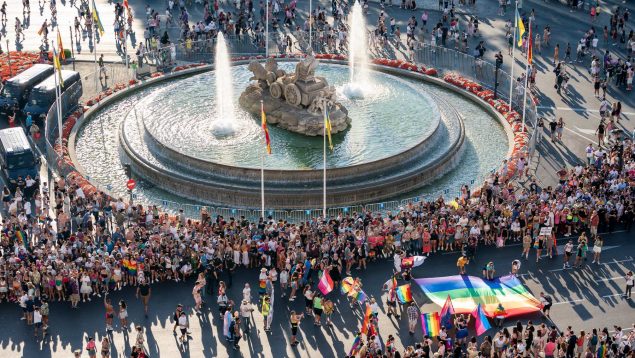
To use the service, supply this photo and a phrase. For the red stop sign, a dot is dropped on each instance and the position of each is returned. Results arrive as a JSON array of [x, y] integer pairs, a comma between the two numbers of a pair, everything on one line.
[[131, 184]]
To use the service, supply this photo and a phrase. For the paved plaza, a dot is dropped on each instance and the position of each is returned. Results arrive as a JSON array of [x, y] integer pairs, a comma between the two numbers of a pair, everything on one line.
[[583, 298]]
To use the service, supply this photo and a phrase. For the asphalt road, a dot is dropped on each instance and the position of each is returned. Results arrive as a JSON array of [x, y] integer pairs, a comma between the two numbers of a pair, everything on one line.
[[583, 298]]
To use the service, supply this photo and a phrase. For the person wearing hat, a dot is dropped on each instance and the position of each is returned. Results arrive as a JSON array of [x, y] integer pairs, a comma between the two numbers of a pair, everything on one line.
[[265, 310], [245, 313]]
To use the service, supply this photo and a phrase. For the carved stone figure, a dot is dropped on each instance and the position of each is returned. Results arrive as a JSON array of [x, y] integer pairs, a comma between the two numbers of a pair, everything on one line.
[[294, 101]]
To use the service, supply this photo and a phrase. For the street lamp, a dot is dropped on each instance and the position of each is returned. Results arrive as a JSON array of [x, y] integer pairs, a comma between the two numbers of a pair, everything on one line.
[[499, 63], [9, 58]]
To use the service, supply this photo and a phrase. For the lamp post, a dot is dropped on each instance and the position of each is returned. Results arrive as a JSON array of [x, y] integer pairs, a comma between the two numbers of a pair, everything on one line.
[[9, 58]]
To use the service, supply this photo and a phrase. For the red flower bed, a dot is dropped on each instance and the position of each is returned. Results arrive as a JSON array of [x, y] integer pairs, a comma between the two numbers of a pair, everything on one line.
[[20, 61], [521, 137]]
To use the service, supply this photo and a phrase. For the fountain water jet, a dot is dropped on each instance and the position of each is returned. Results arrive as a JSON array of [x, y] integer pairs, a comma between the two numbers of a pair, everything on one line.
[[223, 124], [357, 54]]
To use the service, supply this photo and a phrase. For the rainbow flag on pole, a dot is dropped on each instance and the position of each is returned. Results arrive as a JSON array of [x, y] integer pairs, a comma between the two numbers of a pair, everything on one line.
[[357, 343], [404, 294], [367, 315], [467, 292], [347, 285], [430, 324]]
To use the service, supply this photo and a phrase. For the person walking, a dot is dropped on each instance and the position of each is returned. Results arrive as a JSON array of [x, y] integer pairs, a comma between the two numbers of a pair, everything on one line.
[[413, 316], [177, 314], [183, 326], [630, 282], [546, 302], [295, 321], [144, 291], [105, 347], [245, 315]]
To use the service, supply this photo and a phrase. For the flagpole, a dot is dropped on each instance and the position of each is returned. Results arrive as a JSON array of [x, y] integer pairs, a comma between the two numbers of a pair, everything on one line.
[[511, 78], [58, 101], [526, 76], [92, 30], [266, 28], [262, 171], [70, 30], [324, 167], [310, 24]]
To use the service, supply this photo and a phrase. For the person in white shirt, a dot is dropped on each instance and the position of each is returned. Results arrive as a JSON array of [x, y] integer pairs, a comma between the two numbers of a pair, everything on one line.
[[245, 313], [37, 322]]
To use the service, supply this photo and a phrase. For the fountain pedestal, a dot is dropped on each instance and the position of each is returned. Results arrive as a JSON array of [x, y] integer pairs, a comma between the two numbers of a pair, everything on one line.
[[296, 101]]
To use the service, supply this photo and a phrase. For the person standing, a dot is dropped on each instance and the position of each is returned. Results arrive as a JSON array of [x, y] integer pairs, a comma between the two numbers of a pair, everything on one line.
[[183, 325], [265, 310], [413, 316], [295, 321], [37, 322], [600, 131], [144, 291], [630, 282], [110, 313], [392, 303], [177, 314], [105, 347], [568, 250], [597, 247], [328, 310], [546, 302], [245, 313]]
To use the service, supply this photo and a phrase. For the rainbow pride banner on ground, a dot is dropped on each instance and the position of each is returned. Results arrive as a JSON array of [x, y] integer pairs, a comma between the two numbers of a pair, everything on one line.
[[467, 292]]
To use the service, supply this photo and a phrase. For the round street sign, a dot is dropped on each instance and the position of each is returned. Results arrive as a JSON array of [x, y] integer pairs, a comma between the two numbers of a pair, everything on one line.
[[131, 184]]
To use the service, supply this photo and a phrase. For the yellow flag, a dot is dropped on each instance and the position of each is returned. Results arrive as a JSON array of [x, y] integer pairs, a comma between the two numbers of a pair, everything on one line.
[[327, 127], [58, 67], [521, 29], [97, 20]]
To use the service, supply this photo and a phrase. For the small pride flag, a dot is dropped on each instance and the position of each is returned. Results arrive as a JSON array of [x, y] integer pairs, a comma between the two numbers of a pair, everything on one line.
[[404, 294], [430, 324], [481, 323], [326, 283]]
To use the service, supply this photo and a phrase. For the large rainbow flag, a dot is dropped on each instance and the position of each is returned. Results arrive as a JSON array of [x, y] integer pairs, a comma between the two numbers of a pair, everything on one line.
[[467, 292]]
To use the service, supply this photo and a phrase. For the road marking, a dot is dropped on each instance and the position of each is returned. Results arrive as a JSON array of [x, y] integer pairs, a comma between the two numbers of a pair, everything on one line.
[[617, 262], [571, 301], [609, 279], [617, 294], [578, 109], [525, 274]]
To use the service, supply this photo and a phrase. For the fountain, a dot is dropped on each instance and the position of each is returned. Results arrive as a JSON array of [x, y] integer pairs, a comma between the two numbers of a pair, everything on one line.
[[223, 124], [357, 54], [294, 101]]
